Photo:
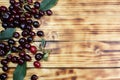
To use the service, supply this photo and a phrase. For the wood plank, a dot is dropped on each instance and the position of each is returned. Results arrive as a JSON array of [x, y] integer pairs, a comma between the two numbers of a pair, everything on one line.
[[90, 29], [71, 74], [78, 20], [83, 19], [83, 5], [86, 34], [90, 12], [91, 32], [78, 1], [86, 1], [80, 54]]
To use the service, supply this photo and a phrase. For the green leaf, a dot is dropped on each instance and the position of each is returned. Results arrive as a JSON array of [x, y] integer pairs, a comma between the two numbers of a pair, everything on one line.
[[46, 55], [20, 72], [43, 43], [7, 34], [47, 4], [9, 52]]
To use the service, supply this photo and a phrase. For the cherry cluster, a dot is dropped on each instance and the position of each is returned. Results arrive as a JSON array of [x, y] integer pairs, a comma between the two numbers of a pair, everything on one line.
[[23, 14]]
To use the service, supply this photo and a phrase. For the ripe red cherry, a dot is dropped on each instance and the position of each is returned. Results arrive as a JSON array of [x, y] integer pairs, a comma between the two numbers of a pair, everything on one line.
[[33, 49], [37, 64]]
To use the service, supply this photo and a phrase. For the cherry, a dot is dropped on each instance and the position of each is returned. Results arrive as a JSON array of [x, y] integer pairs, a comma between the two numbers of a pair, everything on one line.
[[7, 48], [32, 34], [14, 49], [17, 5], [22, 54], [28, 15], [37, 16], [2, 53], [2, 45], [36, 24], [34, 77], [29, 1], [25, 33], [29, 21], [38, 56], [9, 57], [11, 41], [33, 49], [22, 19], [23, 26], [37, 64], [14, 59], [20, 61], [20, 47], [17, 17], [49, 12], [11, 25], [11, 19], [12, 1], [37, 5], [28, 57], [27, 45], [40, 33], [5, 16], [29, 28], [27, 8], [16, 23], [5, 68], [16, 35], [5, 25], [11, 7], [21, 1], [13, 11], [22, 40], [33, 11], [3, 8], [4, 61], [42, 13], [3, 76], [29, 39]]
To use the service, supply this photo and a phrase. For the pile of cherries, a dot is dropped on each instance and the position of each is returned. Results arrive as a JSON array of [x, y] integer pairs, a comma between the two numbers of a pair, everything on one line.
[[23, 14]]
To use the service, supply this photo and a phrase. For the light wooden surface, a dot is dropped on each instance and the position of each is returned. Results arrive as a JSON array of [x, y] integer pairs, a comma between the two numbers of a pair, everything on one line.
[[85, 42]]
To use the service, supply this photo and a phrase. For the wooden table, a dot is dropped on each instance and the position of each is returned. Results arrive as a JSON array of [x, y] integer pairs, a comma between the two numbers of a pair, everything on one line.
[[84, 36]]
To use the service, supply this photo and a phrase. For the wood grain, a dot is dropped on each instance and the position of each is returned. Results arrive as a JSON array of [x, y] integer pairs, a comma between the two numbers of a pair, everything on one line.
[[72, 74], [84, 38], [90, 54]]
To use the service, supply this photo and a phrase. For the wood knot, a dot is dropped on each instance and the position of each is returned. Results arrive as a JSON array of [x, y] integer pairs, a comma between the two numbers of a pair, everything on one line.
[[98, 51], [53, 35]]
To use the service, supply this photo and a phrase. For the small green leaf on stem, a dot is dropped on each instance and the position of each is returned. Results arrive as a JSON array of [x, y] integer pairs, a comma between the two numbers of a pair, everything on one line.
[[7, 34], [43, 43], [47, 4], [46, 54], [20, 72], [9, 52]]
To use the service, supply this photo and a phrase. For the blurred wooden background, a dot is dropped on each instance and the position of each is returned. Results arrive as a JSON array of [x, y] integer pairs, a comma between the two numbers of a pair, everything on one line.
[[84, 36]]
